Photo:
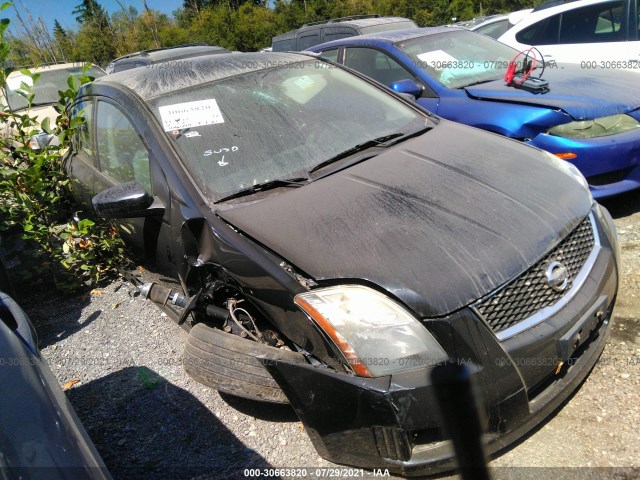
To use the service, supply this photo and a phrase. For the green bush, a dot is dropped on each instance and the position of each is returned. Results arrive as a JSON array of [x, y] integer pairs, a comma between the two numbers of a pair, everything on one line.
[[76, 248]]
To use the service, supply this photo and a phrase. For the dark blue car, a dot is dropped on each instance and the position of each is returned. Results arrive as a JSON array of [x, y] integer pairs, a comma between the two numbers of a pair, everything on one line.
[[41, 436], [591, 119]]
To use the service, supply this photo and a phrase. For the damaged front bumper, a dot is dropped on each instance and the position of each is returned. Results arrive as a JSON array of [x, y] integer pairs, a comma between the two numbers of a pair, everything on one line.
[[392, 422]]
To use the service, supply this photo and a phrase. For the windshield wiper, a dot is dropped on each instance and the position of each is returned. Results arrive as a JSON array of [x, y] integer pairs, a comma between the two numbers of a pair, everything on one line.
[[478, 83], [382, 142], [278, 182], [376, 142]]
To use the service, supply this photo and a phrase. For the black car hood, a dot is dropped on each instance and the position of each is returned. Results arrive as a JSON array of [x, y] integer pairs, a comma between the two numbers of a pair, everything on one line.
[[438, 221], [583, 94]]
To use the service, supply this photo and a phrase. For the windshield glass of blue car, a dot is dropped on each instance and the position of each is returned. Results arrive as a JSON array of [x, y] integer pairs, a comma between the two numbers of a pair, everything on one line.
[[277, 124], [459, 58]]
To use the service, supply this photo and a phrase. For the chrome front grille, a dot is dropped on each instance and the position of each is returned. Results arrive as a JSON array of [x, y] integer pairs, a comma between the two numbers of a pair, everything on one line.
[[529, 293]]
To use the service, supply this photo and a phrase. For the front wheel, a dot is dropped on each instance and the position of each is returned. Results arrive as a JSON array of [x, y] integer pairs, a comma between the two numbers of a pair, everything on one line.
[[229, 364]]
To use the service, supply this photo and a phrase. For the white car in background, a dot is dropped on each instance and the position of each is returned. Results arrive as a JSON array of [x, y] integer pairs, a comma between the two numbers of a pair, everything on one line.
[[52, 79], [596, 34], [496, 25]]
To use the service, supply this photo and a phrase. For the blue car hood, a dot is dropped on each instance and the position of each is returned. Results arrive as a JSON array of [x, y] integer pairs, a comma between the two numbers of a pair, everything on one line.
[[583, 94]]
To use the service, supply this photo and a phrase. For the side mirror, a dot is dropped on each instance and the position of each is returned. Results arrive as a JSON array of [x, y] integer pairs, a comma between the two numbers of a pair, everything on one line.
[[408, 87], [126, 200]]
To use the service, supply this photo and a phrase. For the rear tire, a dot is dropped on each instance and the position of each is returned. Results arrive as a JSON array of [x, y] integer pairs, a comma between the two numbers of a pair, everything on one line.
[[229, 364]]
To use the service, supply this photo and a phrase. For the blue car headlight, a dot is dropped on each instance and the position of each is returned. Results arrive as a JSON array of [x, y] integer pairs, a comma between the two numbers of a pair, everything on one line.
[[600, 127], [376, 335]]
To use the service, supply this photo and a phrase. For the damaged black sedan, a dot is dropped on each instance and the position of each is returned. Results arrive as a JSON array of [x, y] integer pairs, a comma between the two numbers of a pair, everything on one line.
[[331, 243]]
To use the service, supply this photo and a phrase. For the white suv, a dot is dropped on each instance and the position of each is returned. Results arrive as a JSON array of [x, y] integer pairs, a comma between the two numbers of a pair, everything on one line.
[[597, 34]]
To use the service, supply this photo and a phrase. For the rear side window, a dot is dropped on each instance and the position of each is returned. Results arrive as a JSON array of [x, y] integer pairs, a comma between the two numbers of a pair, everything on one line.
[[591, 24], [286, 45], [308, 41], [494, 30], [336, 33], [119, 67], [544, 32]]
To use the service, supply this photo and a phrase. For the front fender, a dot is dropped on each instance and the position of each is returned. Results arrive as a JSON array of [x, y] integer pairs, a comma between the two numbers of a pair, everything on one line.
[[508, 119]]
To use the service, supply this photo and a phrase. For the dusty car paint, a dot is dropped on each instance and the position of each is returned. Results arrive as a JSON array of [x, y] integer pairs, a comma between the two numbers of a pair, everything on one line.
[[330, 228], [391, 222]]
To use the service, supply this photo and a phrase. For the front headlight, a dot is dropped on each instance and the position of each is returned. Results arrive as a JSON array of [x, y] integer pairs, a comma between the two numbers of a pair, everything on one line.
[[600, 127], [569, 169], [376, 335]]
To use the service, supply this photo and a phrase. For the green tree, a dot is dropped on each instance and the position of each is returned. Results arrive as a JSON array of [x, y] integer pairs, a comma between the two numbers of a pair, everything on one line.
[[171, 33], [95, 44], [96, 39], [215, 26], [63, 41], [35, 191], [254, 27], [22, 51], [90, 11]]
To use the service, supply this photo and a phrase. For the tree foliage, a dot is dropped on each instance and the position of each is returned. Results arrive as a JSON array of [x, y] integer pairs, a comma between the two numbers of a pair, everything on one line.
[[35, 199], [242, 25], [90, 11]]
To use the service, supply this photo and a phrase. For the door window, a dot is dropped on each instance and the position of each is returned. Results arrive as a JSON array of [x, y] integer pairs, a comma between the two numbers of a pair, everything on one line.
[[544, 32], [494, 30], [121, 153], [82, 141], [591, 24], [331, 55], [376, 64]]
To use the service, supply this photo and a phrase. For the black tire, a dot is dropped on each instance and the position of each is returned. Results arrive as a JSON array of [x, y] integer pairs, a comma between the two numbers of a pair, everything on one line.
[[229, 364]]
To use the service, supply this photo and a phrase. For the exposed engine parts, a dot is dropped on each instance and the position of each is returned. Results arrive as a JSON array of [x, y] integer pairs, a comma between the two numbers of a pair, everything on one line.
[[162, 295], [234, 318]]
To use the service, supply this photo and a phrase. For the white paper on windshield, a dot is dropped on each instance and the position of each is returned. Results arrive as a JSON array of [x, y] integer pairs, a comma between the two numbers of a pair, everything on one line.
[[14, 82], [190, 114], [304, 88], [436, 58], [304, 82]]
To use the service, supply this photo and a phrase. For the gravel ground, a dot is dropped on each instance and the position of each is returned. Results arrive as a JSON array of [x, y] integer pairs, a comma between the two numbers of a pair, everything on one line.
[[149, 420]]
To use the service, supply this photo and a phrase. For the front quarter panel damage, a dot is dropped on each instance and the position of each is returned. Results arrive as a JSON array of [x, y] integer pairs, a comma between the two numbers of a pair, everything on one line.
[[520, 122], [212, 246]]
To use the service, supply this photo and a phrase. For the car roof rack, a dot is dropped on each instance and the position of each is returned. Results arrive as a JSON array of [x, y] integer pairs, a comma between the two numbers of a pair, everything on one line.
[[343, 19], [145, 53], [552, 3]]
